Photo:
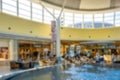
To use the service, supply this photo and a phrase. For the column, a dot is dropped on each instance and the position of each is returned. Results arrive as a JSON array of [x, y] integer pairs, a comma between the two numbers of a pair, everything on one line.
[[0, 5], [114, 19], [63, 49], [31, 10], [13, 49], [52, 45], [17, 7], [16, 52], [58, 37], [103, 22], [43, 14], [82, 21], [73, 20], [93, 21], [63, 18]]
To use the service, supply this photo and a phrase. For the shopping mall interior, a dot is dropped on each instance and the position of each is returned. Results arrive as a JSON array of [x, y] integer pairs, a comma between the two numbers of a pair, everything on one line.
[[59, 39]]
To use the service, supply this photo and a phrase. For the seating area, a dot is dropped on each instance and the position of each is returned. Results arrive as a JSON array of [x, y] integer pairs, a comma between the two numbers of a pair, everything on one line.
[[21, 65], [66, 59]]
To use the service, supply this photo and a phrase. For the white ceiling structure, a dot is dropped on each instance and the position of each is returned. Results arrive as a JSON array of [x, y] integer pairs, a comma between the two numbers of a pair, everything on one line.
[[83, 5], [95, 4]]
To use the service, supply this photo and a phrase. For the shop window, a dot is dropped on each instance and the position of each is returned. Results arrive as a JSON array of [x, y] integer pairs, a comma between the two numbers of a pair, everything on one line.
[[31, 50], [4, 49]]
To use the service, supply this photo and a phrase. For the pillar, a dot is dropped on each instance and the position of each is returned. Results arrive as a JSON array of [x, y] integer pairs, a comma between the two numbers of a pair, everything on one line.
[[0, 5], [16, 52], [13, 49], [58, 37], [52, 46]]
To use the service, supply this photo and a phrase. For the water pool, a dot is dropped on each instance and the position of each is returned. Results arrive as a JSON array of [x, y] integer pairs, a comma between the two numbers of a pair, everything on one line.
[[70, 72], [91, 72]]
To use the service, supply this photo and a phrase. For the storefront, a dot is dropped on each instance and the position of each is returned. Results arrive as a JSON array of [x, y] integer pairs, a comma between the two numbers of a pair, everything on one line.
[[32, 50], [4, 49]]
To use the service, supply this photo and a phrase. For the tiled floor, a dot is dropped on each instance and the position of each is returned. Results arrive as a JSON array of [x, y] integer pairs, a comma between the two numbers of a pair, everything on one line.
[[4, 70]]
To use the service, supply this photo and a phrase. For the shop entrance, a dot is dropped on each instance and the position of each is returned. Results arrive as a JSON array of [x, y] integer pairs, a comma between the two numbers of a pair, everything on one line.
[[32, 50]]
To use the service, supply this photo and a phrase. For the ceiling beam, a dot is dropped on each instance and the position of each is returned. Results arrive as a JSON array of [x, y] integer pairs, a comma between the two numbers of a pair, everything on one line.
[[79, 4], [63, 5], [40, 2], [112, 5]]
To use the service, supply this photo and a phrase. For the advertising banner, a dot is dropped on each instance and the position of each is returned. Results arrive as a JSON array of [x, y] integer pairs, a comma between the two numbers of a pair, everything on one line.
[[53, 36], [53, 30]]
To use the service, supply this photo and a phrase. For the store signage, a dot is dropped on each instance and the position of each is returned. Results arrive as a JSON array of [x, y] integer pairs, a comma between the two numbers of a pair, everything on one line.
[[53, 30], [37, 46]]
